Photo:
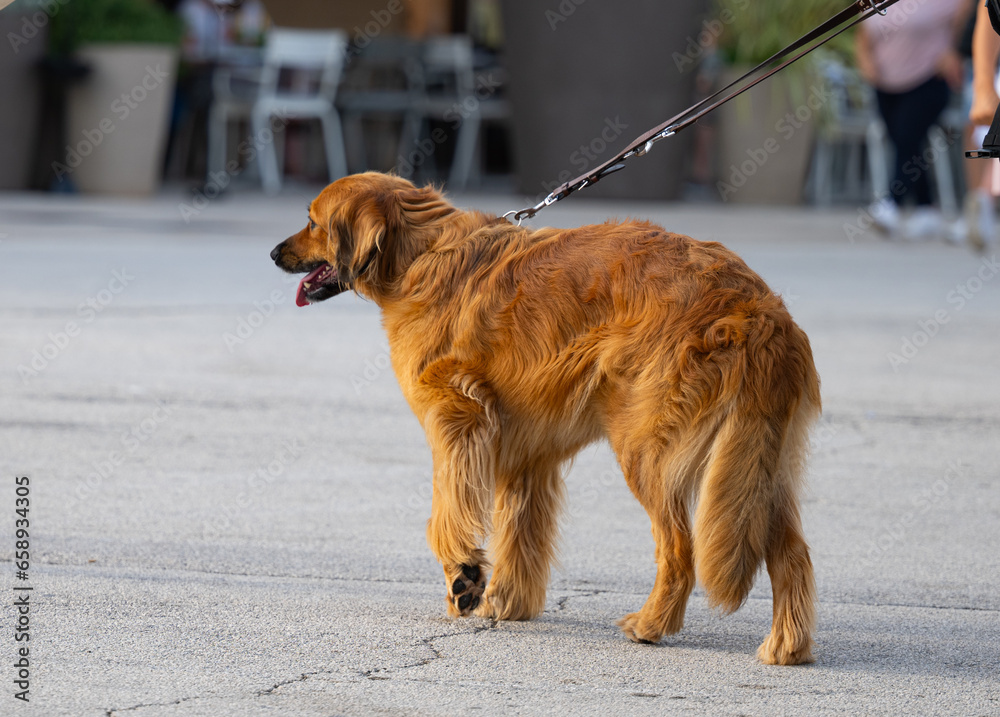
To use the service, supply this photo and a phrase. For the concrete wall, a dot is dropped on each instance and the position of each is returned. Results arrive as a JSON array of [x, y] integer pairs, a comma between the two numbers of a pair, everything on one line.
[[588, 77]]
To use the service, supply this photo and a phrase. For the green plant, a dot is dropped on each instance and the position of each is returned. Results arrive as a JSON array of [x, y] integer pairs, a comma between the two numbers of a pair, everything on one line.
[[754, 30], [112, 21]]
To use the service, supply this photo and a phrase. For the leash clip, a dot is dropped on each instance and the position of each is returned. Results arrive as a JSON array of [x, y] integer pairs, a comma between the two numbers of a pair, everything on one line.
[[529, 212], [879, 7], [642, 151], [512, 213]]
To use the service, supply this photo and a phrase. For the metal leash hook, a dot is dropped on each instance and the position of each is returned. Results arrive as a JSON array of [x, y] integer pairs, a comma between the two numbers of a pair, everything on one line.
[[529, 212], [513, 212], [644, 150], [880, 7]]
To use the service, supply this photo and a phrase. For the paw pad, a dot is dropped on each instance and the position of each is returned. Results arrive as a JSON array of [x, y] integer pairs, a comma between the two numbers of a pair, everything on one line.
[[466, 590]]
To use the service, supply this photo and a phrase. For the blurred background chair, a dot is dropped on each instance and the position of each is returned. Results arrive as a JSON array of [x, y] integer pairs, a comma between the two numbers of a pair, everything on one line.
[[455, 96], [449, 97], [299, 79], [382, 89], [840, 171]]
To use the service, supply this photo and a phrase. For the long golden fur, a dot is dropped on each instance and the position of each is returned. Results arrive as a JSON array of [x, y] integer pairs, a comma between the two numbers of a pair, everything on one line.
[[516, 347]]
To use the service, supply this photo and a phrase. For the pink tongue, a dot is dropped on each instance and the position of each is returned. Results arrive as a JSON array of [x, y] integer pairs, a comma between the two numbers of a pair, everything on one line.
[[300, 297]]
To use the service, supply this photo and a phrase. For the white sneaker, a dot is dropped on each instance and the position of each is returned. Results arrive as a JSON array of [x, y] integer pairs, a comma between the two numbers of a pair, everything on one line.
[[885, 214], [924, 223], [957, 232]]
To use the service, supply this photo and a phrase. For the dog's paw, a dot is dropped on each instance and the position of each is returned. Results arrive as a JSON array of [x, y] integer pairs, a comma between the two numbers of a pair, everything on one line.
[[504, 604], [490, 607], [465, 590], [638, 630], [778, 650]]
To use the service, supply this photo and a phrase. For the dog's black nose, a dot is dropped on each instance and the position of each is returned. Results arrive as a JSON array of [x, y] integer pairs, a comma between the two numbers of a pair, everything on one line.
[[275, 252]]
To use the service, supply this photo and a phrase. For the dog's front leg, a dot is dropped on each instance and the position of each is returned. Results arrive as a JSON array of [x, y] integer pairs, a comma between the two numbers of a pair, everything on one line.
[[461, 428], [523, 544]]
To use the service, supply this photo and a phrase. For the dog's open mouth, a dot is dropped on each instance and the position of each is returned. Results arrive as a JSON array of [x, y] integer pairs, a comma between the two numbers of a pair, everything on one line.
[[319, 284]]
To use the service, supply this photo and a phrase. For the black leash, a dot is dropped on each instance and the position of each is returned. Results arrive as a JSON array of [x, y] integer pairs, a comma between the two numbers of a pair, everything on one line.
[[858, 11]]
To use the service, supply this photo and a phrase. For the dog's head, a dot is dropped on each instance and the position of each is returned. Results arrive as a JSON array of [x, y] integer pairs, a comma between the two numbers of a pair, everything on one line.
[[363, 232]]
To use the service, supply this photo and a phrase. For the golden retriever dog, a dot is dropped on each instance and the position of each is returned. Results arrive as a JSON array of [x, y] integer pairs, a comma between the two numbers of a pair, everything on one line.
[[516, 347]]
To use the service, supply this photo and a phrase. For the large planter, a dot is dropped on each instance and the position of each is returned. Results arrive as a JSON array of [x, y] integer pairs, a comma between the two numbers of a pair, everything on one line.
[[766, 138], [118, 119], [25, 46], [586, 78]]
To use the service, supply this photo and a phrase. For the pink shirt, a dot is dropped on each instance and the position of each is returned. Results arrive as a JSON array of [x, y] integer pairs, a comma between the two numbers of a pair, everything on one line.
[[910, 39]]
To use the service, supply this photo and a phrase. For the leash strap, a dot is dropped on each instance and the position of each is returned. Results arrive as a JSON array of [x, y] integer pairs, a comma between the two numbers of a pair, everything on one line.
[[858, 11]]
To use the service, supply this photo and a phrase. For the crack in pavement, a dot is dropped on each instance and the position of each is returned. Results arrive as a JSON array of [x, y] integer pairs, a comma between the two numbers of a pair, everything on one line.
[[284, 683], [111, 712], [578, 593], [384, 673]]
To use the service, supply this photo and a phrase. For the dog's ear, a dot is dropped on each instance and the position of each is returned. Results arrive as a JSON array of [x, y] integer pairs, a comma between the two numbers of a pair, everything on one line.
[[384, 231], [422, 205], [360, 239]]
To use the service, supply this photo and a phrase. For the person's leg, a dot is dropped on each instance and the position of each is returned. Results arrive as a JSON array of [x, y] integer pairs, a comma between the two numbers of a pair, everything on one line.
[[887, 109], [914, 112], [884, 210]]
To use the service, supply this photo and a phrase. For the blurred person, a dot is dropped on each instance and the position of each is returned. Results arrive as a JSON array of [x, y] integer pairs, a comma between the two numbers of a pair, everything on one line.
[[985, 82], [206, 29], [910, 59], [212, 28]]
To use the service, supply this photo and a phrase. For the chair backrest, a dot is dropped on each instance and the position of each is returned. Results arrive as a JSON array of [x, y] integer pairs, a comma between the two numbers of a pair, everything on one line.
[[449, 59], [387, 64], [322, 51]]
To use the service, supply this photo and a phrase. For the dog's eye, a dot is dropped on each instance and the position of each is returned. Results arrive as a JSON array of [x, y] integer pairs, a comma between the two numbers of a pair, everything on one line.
[[313, 225]]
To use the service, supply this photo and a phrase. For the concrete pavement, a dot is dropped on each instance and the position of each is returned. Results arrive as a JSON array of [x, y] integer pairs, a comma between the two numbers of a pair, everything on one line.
[[228, 494]]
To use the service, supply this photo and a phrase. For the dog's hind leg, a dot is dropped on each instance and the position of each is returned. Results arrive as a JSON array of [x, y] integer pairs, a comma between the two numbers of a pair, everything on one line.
[[787, 556], [659, 486], [663, 612], [788, 564], [523, 542], [461, 429]]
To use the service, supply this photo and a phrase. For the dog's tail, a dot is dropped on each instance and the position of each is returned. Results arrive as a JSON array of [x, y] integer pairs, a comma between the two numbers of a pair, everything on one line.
[[752, 472]]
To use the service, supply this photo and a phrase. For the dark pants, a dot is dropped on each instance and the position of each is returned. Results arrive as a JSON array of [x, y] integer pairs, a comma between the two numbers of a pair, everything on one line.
[[908, 116]]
